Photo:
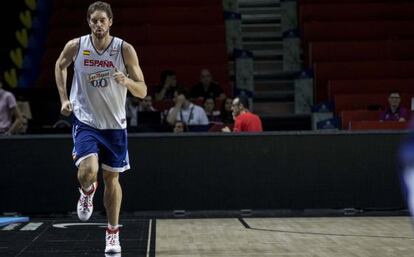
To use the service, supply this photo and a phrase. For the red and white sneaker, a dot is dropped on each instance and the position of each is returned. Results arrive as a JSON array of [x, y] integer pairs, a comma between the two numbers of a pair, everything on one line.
[[85, 203], [112, 241]]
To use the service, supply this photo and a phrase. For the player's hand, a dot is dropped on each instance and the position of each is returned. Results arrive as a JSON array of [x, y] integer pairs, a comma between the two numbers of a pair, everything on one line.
[[66, 108], [119, 77]]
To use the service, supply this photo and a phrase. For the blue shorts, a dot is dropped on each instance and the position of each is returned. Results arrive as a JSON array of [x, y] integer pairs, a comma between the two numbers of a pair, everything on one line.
[[109, 145]]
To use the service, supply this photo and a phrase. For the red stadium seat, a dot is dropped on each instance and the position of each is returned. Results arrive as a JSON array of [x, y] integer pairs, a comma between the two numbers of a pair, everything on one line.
[[378, 125], [367, 101], [361, 51], [325, 71], [144, 15], [333, 11], [182, 54], [370, 86], [133, 3], [358, 115], [357, 30]]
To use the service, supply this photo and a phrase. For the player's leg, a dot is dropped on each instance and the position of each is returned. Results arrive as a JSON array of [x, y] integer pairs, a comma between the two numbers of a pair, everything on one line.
[[87, 176], [85, 155], [112, 196], [88, 172], [112, 203], [114, 159]]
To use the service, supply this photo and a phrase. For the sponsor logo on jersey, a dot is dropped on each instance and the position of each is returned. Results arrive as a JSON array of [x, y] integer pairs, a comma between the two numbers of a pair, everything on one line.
[[98, 63], [99, 79], [86, 52]]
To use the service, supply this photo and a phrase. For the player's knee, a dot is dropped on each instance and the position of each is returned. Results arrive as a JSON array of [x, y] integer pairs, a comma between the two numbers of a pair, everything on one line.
[[87, 171], [111, 178]]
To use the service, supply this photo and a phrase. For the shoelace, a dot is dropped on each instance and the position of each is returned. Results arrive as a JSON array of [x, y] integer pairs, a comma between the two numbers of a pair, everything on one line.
[[85, 202], [112, 238]]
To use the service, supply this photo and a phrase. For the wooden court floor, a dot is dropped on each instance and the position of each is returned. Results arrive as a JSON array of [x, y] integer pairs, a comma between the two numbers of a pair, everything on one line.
[[250, 237]]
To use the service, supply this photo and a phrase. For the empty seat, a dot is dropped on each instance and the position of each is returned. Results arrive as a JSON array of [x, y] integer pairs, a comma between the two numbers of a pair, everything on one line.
[[182, 54], [378, 125], [361, 51], [357, 115], [326, 71], [144, 15], [355, 11], [354, 30], [367, 102], [383, 86]]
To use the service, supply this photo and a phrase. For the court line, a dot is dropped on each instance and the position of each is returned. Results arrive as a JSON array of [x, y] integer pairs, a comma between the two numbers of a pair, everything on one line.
[[153, 238], [149, 237], [31, 226], [34, 239], [11, 226], [247, 226]]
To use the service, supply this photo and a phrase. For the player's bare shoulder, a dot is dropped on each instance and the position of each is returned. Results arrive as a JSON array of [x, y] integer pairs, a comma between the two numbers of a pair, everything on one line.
[[71, 48], [130, 55]]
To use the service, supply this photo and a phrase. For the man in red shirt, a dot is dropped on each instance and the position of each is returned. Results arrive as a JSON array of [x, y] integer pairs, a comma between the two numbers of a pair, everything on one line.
[[244, 120]]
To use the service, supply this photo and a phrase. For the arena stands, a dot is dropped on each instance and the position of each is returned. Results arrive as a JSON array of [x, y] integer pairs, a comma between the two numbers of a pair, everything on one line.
[[359, 51]]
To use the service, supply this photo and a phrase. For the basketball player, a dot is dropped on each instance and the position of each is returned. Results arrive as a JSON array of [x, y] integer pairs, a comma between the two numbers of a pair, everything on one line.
[[105, 67]]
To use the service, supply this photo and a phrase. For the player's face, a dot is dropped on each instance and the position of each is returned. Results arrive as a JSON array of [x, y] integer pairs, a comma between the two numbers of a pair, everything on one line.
[[100, 24]]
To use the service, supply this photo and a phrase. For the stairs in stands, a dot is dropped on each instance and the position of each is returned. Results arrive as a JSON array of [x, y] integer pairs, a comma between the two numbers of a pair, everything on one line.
[[262, 34]]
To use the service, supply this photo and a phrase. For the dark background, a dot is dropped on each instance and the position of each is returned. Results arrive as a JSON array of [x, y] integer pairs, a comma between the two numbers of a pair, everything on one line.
[[289, 170]]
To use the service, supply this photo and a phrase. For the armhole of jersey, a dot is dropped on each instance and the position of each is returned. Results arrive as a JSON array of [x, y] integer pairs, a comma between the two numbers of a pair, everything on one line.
[[76, 56], [122, 54]]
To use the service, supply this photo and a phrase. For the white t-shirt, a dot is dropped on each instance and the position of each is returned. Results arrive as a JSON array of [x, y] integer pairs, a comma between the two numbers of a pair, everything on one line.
[[192, 115], [96, 98]]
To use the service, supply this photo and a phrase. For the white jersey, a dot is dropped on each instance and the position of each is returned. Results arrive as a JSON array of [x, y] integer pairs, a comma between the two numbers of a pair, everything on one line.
[[97, 100]]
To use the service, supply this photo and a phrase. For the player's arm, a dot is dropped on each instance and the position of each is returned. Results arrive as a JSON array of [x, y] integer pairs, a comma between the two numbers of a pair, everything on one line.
[[135, 80], [61, 73]]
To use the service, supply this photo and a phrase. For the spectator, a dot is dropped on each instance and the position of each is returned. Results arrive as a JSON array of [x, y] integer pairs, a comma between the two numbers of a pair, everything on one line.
[[179, 127], [10, 117], [132, 109], [146, 105], [394, 112], [245, 121], [134, 105], [207, 87], [226, 112], [186, 111], [213, 115], [168, 86]]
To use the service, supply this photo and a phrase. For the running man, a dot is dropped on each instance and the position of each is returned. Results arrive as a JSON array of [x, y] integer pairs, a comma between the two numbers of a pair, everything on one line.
[[105, 68]]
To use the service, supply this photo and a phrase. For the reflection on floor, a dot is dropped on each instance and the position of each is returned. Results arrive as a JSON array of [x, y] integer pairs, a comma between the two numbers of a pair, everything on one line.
[[232, 236]]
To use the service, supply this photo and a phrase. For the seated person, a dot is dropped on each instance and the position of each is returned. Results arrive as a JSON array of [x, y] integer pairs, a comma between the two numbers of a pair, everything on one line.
[[207, 87], [226, 112], [179, 127], [11, 118], [186, 111], [212, 114], [244, 120], [167, 87], [394, 112]]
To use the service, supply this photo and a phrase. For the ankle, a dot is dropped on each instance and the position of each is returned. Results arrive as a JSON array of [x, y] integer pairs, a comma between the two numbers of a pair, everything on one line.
[[113, 228], [88, 190]]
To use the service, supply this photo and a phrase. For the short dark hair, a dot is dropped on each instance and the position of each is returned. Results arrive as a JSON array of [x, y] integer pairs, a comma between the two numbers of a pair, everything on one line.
[[183, 91], [243, 100], [99, 6], [165, 74], [394, 92]]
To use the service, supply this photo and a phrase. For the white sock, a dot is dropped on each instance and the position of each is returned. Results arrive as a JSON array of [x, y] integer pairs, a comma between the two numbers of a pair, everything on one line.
[[87, 190], [110, 227]]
